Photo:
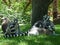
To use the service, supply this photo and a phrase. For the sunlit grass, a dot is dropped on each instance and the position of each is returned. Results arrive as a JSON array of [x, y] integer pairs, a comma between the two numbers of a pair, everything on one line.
[[32, 40]]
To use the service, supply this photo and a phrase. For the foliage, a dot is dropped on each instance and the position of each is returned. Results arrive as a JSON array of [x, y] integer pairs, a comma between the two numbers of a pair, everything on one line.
[[59, 6], [16, 11]]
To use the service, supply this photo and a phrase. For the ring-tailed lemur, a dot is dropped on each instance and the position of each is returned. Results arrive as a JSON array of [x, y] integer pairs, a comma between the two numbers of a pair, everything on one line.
[[43, 26]]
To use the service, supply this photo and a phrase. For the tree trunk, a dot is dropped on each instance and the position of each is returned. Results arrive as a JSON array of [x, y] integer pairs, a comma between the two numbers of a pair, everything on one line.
[[39, 9], [55, 12]]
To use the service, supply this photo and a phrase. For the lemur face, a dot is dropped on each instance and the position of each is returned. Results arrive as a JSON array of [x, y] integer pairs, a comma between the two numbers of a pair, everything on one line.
[[15, 20], [38, 24]]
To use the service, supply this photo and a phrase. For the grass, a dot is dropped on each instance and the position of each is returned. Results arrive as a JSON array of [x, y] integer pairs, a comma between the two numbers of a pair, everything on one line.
[[32, 40]]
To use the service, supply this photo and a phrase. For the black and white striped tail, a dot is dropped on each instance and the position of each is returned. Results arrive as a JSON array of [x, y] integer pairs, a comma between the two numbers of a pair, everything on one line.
[[16, 35]]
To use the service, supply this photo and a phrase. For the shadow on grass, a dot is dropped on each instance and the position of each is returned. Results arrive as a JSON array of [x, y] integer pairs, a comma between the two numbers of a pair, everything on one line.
[[31, 40]]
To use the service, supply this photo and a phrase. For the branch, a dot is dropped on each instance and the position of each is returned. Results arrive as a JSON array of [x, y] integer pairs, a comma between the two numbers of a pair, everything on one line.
[[29, 2], [5, 2]]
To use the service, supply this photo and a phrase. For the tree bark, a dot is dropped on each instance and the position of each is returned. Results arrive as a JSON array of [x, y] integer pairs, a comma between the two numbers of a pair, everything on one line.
[[55, 12], [39, 9]]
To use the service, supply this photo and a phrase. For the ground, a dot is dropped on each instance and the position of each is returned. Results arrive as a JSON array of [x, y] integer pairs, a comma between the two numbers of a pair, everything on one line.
[[32, 40]]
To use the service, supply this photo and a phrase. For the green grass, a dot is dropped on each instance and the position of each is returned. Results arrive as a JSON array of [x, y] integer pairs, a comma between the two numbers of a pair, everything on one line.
[[32, 40]]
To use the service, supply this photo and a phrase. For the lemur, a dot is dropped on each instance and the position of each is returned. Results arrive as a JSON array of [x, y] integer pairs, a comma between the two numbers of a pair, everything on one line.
[[5, 22], [44, 26]]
